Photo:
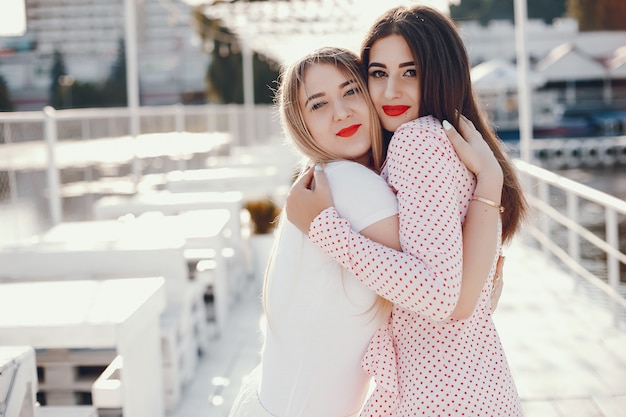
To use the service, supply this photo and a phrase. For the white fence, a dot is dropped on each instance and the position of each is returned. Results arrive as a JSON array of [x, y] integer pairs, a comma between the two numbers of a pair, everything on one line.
[[580, 226], [245, 125], [54, 164], [39, 184]]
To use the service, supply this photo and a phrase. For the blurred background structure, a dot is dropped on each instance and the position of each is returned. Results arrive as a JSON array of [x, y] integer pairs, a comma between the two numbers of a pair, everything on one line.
[[138, 140], [73, 54]]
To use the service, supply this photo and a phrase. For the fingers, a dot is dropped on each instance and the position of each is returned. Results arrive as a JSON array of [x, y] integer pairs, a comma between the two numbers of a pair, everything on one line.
[[453, 135], [499, 266], [468, 130], [308, 197], [498, 284], [305, 179], [460, 145], [320, 177], [465, 120]]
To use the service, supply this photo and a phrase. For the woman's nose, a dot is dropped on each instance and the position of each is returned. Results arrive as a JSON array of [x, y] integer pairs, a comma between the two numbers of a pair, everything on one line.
[[342, 111], [391, 90]]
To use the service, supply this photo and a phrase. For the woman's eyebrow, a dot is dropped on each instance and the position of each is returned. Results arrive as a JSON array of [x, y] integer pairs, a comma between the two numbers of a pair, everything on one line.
[[314, 96], [317, 95], [342, 85], [376, 64], [379, 65]]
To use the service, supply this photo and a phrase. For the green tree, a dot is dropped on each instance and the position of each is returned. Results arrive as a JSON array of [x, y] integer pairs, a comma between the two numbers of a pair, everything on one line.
[[224, 79], [114, 93], [265, 78], [55, 96], [598, 14], [5, 96], [225, 75], [86, 95], [486, 10]]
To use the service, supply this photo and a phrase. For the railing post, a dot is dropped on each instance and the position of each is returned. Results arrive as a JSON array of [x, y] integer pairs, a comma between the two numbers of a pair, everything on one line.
[[573, 240], [233, 123], [85, 129], [179, 117], [54, 182], [612, 263], [543, 193], [179, 125], [612, 238], [11, 174], [211, 118], [135, 124]]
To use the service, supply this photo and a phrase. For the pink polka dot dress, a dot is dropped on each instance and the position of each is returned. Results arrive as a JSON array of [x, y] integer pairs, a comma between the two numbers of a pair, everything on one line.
[[425, 363]]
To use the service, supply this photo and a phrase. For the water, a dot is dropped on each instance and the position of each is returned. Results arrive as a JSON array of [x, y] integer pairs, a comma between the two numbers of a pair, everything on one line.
[[611, 180]]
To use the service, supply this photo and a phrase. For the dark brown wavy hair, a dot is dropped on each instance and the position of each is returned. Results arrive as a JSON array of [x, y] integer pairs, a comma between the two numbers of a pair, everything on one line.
[[444, 74]]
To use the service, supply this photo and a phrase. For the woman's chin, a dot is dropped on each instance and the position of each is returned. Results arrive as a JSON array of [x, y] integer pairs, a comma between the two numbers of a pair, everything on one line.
[[391, 126]]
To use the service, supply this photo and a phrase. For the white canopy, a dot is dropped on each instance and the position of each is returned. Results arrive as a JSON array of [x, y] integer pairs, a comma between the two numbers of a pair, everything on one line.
[[565, 63], [499, 75], [286, 30], [617, 64]]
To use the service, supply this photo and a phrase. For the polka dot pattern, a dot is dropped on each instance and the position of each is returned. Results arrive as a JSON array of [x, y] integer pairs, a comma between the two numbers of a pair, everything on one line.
[[424, 363]]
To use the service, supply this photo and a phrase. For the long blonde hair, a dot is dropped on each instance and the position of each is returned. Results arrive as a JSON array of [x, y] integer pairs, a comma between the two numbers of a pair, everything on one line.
[[294, 127], [291, 117]]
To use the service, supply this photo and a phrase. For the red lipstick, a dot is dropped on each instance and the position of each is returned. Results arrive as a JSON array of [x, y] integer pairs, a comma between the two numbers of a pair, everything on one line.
[[348, 131], [395, 110]]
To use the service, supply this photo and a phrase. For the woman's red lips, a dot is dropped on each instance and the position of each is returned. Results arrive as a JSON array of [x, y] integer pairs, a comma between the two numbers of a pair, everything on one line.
[[348, 131], [395, 110]]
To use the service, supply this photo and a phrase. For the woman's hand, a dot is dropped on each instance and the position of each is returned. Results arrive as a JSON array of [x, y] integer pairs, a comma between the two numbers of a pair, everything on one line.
[[472, 148], [308, 197], [478, 157], [498, 283]]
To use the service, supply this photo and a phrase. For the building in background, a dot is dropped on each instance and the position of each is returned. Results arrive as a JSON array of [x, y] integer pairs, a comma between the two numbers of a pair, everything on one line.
[[173, 60], [88, 33]]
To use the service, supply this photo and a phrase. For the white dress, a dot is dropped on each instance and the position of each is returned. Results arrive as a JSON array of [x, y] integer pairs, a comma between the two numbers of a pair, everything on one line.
[[320, 320]]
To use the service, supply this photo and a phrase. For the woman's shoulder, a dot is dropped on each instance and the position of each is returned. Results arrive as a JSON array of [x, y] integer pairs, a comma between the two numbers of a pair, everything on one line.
[[341, 167], [424, 123], [347, 175], [421, 132]]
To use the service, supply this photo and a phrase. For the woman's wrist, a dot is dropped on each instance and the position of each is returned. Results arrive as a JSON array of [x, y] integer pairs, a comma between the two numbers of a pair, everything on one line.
[[489, 185]]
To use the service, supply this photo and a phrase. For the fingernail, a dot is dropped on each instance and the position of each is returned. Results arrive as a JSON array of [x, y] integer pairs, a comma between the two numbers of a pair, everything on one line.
[[318, 167], [446, 125]]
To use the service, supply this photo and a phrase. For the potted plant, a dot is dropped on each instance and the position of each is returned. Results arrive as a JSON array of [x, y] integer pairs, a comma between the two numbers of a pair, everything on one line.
[[264, 214], [264, 218]]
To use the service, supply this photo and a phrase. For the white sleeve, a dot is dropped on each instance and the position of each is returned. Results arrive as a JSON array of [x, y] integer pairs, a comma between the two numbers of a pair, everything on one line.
[[359, 194]]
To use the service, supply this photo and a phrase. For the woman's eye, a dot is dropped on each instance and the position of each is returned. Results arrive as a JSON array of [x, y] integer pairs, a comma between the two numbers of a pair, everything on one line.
[[377, 74], [353, 91], [316, 106], [411, 73]]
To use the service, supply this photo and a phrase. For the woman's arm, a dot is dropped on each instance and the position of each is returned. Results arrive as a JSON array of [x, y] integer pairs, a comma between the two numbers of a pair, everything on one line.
[[481, 232], [311, 194], [399, 277], [404, 279]]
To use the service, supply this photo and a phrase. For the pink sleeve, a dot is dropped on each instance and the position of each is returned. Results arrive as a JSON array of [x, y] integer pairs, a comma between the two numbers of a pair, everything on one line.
[[426, 277]]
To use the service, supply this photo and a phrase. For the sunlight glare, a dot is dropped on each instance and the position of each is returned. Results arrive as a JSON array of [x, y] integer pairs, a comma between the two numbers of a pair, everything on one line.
[[12, 17]]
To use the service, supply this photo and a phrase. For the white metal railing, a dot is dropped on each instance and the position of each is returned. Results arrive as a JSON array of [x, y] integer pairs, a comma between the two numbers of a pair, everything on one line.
[[564, 212], [32, 174], [97, 123], [24, 190]]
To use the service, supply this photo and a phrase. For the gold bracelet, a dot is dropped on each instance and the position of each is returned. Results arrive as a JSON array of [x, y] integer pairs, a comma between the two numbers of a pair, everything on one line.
[[489, 202]]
